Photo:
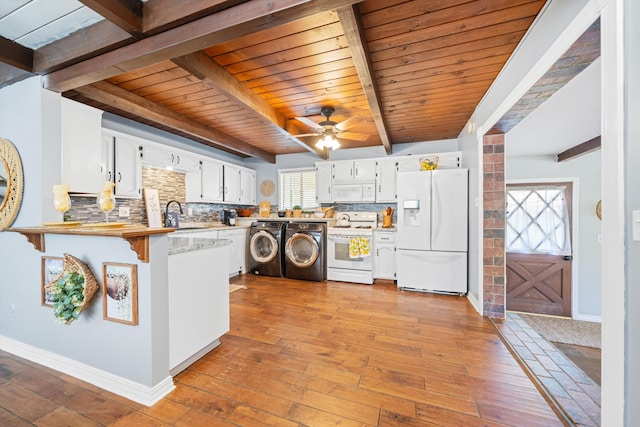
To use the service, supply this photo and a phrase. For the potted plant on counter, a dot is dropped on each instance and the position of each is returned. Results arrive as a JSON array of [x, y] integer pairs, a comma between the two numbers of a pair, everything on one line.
[[297, 211]]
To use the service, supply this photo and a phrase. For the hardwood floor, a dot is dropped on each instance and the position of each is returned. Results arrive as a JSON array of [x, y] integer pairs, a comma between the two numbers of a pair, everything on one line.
[[312, 354]]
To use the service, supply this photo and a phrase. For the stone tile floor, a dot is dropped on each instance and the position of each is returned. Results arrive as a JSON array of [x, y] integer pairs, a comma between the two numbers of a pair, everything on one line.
[[571, 390]]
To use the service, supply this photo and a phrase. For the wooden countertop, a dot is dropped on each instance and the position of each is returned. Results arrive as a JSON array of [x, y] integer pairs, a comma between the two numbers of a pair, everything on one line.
[[137, 235]]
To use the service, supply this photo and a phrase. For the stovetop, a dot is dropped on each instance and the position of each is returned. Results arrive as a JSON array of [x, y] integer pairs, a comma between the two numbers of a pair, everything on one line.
[[354, 223]]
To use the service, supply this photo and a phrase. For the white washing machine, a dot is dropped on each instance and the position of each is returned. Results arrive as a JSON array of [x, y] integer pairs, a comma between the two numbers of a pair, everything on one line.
[[266, 240]]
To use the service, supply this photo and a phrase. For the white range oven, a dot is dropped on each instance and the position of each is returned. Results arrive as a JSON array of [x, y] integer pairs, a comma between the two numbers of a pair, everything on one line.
[[349, 247]]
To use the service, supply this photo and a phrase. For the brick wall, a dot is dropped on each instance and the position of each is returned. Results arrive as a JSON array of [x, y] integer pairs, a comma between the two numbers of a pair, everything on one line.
[[494, 226]]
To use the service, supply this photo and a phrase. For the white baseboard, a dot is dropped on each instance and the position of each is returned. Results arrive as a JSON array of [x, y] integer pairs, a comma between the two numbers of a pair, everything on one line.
[[587, 318], [131, 390], [475, 303]]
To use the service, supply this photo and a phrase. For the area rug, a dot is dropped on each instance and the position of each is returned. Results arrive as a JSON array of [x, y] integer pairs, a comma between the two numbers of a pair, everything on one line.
[[233, 288], [568, 331]]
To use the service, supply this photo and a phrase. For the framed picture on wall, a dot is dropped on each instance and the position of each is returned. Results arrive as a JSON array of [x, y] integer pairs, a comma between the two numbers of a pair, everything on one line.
[[152, 205], [120, 292], [51, 268]]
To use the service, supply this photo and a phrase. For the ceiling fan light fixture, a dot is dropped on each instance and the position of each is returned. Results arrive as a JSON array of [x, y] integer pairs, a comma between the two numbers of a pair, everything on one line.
[[327, 141]]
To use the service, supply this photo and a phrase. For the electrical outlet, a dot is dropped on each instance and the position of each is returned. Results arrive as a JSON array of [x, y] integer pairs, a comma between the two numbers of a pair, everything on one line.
[[189, 211], [123, 211]]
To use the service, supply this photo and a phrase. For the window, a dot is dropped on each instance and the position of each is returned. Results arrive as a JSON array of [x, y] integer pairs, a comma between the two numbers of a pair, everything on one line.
[[298, 187], [538, 220]]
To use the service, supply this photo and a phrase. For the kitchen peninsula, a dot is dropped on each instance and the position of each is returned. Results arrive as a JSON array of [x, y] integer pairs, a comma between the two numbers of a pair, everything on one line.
[[134, 361]]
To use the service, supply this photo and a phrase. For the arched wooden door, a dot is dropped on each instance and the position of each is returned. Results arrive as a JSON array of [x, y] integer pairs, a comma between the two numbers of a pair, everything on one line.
[[538, 248]]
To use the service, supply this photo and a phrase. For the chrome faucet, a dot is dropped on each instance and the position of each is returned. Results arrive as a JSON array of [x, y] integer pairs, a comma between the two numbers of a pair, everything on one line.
[[171, 219]]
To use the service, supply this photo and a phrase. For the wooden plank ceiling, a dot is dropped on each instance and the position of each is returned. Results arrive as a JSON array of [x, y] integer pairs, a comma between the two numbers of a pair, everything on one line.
[[236, 75]]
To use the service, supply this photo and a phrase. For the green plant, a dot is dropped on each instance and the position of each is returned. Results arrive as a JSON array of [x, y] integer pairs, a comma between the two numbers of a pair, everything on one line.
[[67, 297], [297, 207]]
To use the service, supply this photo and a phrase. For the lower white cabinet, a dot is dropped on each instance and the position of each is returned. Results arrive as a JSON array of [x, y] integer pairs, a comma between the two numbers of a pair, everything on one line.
[[384, 266], [237, 250], [198, 304]]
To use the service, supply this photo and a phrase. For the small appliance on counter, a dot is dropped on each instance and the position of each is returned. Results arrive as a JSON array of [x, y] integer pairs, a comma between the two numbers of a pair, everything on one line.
[[229, 216]]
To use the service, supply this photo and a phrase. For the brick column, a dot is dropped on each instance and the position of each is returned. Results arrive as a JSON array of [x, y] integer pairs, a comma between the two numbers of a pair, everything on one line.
[[494, 194]]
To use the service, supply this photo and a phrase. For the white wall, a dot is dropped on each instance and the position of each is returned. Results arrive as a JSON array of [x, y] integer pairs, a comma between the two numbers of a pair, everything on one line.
[[471, 147], [586, 246]]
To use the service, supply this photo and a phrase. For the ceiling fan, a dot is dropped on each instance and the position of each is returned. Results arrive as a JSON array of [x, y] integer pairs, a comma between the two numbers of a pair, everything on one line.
[[331, 130]]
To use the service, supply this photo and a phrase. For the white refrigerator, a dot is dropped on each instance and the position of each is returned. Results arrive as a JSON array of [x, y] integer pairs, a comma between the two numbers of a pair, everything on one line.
[[432, 230]]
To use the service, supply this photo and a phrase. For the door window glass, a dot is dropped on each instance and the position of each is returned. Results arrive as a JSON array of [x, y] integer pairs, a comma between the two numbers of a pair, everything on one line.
[[538, 220]]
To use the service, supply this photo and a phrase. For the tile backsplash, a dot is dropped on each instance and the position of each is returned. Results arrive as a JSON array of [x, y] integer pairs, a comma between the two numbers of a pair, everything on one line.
[[170, 186]]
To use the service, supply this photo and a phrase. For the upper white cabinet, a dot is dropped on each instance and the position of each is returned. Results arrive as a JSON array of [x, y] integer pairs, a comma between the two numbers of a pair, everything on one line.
[[448, 160], [324, 175], [386, 180], [81, 149], [169, 158], [209, 182], [356, 171], [231, 184], [121, 163], [247, 186]]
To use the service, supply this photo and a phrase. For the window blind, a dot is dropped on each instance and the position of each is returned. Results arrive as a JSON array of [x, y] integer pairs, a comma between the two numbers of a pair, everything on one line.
[[298, 187]]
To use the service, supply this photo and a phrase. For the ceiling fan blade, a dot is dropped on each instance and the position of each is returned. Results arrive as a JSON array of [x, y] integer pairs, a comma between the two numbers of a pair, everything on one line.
[[355, 136], [349, 123], [310, 123], [302, 135]]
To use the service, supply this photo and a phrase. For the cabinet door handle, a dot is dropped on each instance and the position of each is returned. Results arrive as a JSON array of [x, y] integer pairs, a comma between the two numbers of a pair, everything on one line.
[[177, 160], [119, 177], [172, 157]]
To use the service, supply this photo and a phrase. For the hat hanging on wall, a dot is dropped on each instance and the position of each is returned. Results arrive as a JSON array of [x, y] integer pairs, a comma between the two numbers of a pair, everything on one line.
[[267, 187]]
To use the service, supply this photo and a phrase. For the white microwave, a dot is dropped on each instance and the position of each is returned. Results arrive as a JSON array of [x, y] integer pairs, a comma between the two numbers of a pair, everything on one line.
[[354, 193]]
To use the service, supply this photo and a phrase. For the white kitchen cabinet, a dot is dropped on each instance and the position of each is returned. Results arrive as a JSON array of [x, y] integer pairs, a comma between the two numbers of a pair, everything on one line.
[[198, 304], [247, 186], [81, 139], [231, 184], [324, 175], [237, 250], [384, 263], [356, 171], [447, 160], [169, 158], [211, 176], [386, 181], [121, 163]]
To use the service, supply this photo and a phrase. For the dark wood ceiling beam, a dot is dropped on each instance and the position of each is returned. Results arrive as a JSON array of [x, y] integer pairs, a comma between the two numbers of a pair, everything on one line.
[[116, 97], [160, 15], [580, 149], [243, 19], [16, 55], [126, 14], [216, 77], [354, 33], [79, 46]]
